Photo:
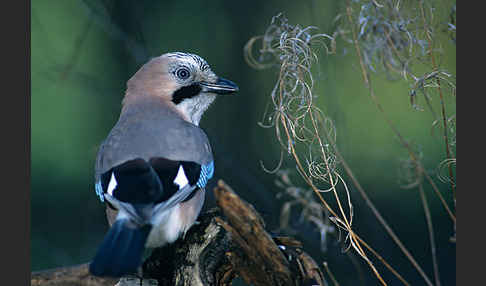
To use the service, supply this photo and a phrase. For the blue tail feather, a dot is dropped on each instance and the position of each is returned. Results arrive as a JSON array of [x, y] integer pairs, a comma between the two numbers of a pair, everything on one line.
[[121, 251]]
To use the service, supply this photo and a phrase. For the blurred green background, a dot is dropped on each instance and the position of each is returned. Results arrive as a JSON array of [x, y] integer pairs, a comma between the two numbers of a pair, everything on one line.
[[82, 54]]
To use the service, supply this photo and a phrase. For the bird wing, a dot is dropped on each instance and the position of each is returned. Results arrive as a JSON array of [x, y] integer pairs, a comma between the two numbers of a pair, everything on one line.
[[141, 189]]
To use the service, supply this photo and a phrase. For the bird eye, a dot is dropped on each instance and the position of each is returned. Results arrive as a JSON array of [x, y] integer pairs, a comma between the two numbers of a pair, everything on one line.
[[183, 73]]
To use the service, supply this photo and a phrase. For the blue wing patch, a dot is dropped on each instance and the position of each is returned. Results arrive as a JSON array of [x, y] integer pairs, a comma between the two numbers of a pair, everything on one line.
[[99, 191], [207, 172]]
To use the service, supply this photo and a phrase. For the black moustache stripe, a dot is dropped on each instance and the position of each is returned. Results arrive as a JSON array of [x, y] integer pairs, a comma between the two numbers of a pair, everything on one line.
[[186, 92]]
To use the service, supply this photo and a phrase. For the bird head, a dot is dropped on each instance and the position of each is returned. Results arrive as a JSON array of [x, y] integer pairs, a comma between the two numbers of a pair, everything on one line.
[[184, 81]]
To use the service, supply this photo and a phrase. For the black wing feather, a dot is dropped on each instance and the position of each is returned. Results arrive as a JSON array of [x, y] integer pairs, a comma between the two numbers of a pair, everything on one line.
[[136, 182]]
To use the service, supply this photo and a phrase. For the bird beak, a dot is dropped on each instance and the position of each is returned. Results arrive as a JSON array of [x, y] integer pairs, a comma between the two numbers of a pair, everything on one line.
[[222, 86]]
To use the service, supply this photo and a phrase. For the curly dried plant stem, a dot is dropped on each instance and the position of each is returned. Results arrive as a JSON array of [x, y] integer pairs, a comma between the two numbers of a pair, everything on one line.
[[404, 71], [385, 224], [282, 118], [331, 181], [354, 239], [430, 228], [378, 216], [444, 116], [402, 140], [292, 130], [387, 119]]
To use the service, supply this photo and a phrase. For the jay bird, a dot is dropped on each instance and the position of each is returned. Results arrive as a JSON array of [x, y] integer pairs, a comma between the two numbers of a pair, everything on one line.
[[152, 168]]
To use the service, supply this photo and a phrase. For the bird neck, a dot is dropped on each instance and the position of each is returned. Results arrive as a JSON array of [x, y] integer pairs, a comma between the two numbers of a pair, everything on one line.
[[192, 109]]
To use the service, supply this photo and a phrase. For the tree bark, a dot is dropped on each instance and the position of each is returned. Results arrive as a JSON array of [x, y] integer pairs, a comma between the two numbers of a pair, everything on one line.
[[228, 242]]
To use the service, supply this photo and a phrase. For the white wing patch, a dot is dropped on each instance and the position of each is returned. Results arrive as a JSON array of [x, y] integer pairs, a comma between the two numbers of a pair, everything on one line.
[[112, 185], [181, 179]]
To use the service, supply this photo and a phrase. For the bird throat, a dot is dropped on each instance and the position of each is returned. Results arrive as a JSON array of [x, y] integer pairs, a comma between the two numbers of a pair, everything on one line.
[[193, 107]]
